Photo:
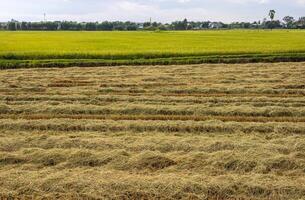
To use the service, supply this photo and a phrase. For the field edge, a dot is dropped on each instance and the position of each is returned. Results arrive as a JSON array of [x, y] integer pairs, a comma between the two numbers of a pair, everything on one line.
[[12, 61]]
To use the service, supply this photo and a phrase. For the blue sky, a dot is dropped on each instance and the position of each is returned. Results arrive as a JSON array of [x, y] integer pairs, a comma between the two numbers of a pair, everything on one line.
[[142, 10]]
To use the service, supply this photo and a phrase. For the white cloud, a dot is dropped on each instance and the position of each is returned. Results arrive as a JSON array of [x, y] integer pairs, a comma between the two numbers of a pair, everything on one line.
[[301, 2], [142, 10], [248, 1]]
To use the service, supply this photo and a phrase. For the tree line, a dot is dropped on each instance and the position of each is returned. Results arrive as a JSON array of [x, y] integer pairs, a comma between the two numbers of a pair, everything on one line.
[[287, 22]]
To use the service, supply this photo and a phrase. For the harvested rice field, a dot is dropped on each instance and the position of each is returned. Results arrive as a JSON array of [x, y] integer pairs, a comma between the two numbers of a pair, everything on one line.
[[153, 132]]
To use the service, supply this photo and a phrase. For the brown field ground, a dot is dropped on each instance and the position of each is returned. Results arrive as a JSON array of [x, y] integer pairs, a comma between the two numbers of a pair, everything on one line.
[[154, 132]]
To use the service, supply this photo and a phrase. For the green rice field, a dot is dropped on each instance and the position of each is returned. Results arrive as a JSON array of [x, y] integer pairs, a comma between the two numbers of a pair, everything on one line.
[[45, 49]]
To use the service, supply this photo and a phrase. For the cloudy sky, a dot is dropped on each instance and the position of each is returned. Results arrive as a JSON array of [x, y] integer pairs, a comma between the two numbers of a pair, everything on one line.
[[142, 10]]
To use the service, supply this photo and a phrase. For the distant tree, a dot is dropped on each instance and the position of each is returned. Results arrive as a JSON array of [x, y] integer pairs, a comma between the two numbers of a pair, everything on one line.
[[71, 26], [301, 23], [255, 24], [289, 21], [105, 26], [190, 26], [24, 26], [272, 24], [162, 27], [91, 26], [185, 24], [51, 26], [146, 24], [131, 26], [119, 26], [180, 25], [155, 24], [12, 25], [205, 25], [272, 14]]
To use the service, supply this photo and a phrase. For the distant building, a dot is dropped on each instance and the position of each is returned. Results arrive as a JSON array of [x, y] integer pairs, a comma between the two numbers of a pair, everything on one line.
[[3, 25], [58, 25], [216, 25], [140, 26]]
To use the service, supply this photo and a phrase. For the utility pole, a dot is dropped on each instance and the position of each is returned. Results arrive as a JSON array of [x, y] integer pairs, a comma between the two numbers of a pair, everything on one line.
[[44, 17]]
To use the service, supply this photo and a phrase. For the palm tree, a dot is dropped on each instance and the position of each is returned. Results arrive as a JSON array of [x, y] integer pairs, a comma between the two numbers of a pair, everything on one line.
[[272, 14]]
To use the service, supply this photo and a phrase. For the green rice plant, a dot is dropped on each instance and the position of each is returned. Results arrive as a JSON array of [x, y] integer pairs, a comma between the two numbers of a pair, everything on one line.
[[67, 49]]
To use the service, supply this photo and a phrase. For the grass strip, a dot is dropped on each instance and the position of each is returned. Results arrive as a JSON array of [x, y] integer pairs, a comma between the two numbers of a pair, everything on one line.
[[15, 63]]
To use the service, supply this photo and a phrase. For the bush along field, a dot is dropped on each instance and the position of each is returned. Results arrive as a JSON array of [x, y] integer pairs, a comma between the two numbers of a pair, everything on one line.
[[26, 49], [216, 131]]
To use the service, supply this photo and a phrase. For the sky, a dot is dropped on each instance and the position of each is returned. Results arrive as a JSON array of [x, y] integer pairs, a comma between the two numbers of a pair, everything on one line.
[[143, 10]]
